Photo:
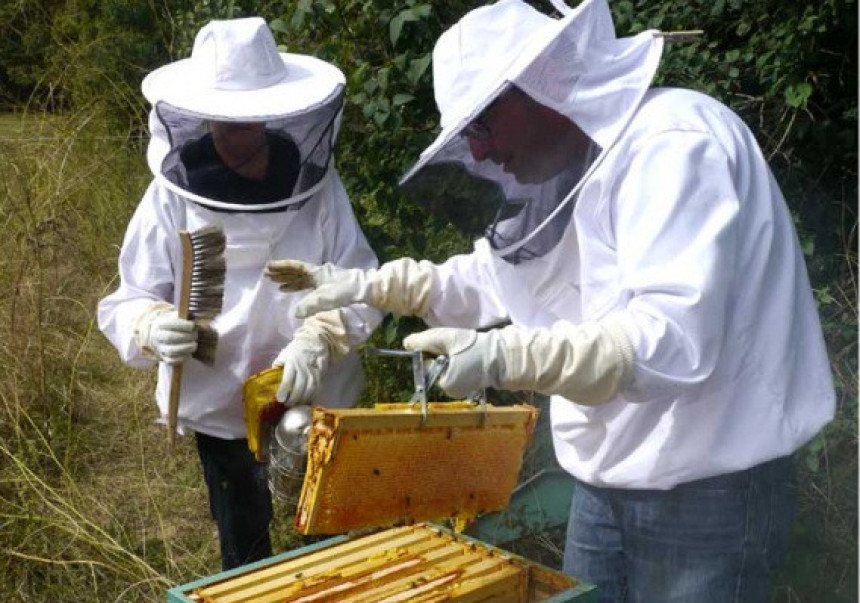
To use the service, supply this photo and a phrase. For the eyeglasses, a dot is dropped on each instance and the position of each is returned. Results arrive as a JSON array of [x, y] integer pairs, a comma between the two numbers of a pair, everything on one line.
[[477, 129]]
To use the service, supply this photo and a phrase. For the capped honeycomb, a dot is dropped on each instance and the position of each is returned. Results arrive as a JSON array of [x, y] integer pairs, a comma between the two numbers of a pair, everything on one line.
[[386, 466]]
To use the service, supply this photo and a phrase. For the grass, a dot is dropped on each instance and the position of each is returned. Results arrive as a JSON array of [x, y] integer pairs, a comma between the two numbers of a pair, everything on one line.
[[92, 508]]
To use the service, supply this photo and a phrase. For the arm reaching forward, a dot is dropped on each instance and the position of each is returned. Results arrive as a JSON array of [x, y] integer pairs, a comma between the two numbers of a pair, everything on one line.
[[402, 286]]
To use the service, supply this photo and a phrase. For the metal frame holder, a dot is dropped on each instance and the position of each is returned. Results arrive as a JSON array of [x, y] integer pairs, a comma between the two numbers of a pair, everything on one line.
[[423, 377]]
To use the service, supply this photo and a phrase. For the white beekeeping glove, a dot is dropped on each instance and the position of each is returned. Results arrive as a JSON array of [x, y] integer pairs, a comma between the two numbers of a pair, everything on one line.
[[587, 364], [321, 339], [402, 286], [163, 336]]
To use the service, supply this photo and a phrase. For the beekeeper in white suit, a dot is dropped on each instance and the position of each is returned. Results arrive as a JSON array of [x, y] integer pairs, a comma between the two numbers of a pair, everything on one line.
[[647, 261], [242, 137]]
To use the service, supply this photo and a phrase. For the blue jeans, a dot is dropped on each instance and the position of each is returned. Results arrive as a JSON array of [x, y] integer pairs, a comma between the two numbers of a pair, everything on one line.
[[239, 499], [715, 540]]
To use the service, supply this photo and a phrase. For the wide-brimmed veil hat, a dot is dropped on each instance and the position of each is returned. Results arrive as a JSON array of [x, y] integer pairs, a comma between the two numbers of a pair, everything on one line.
[[237, 74], [573, 63]]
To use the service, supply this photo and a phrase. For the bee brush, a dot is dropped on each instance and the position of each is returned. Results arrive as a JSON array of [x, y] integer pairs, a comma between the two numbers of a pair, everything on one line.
[[201, 296]]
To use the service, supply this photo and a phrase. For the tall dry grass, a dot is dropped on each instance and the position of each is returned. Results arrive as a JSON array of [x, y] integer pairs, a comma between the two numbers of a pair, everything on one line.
[[91, 506]]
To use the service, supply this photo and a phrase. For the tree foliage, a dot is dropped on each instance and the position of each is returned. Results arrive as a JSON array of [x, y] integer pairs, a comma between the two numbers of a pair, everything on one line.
[[790, 70]]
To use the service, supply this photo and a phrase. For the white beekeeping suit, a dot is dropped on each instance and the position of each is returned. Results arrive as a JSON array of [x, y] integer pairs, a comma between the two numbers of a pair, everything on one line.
[[675, 242], [655, 285], [300, 210], [641, 249]]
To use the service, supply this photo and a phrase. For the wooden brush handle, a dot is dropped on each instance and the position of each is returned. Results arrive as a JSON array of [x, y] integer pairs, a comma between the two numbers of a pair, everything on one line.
[[173, 406], [182, 311]]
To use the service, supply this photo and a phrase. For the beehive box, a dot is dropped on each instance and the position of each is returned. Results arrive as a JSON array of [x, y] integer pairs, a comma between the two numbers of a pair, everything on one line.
[[388, 466], [413, 563]]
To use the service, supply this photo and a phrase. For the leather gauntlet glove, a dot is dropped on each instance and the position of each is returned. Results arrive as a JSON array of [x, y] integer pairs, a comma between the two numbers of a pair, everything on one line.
[[321, 339], [402, 286], [587, 364], [163, 336]]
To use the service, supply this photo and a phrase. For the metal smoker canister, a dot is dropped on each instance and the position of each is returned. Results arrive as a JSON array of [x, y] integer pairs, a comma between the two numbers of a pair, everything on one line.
[[288, 454]]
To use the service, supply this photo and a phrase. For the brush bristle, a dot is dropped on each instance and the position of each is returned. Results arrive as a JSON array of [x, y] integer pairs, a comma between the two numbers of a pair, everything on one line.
[[207, 273], [207, 342], [210, 236], [206, 296]]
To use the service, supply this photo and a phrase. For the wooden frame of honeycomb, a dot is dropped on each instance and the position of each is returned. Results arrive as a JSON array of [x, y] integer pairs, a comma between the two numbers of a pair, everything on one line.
[[417, 563], [388, 466]]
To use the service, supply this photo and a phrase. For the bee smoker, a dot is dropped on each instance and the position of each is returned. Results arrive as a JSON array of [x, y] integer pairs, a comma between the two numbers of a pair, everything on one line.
[[288, 453]]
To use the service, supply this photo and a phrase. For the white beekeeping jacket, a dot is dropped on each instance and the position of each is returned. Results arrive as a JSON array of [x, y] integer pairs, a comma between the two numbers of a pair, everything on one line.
[[302, 212], [291, 105], [676, 233], [256, 320]]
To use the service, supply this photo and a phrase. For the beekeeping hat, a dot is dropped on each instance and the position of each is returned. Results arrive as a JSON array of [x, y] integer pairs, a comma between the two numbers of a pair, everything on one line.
[[236, 73], [573, 64]]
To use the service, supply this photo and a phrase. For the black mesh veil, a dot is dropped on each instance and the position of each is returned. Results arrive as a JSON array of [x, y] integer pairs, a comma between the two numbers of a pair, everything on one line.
[[300, 148], [520, 221]]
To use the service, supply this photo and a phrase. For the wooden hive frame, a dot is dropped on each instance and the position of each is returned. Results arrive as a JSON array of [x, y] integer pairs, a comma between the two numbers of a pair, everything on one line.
[[413, 563], [388, 466]]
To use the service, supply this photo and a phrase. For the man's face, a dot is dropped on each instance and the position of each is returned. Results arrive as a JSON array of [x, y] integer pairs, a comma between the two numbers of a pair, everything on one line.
[[238, 139], [529, 140]]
